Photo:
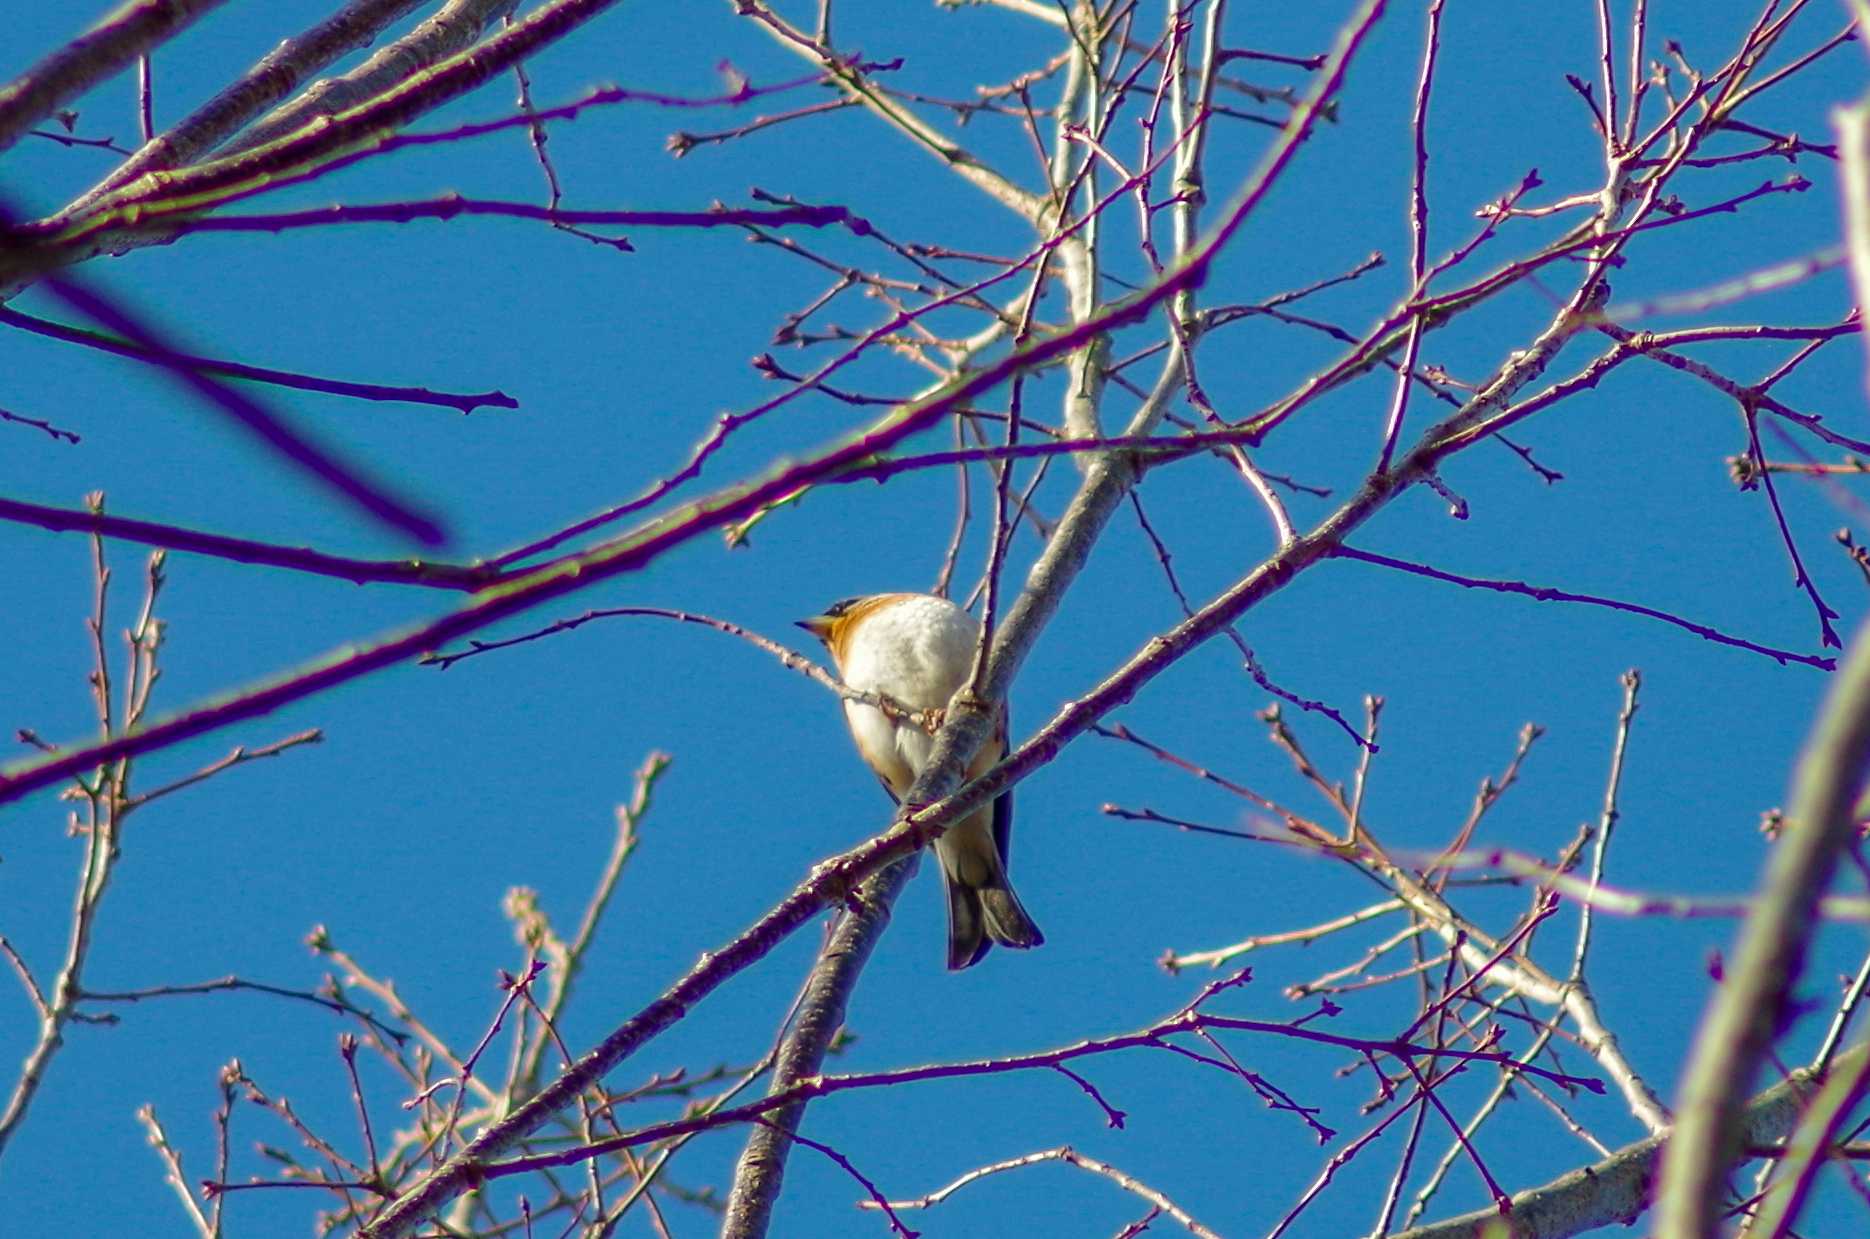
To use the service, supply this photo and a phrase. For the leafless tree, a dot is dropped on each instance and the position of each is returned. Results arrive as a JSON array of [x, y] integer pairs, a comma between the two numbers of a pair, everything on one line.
[[1116, 289]]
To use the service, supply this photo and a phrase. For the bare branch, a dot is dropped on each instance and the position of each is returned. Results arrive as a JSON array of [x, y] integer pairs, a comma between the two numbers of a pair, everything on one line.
[[112, 45], [1618, 1189]]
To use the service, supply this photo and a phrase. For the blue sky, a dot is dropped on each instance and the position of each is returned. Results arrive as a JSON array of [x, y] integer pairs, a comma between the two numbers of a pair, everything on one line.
[[434, 792]]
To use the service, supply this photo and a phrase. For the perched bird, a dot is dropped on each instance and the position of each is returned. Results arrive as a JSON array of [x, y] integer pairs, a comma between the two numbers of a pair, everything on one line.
[[917, 650]]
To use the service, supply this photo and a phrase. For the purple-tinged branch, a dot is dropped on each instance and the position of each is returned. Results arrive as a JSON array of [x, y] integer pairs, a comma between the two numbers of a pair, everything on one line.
[[467, 402], [294, 446], [449, 206], [1547, 593], [420, 572]]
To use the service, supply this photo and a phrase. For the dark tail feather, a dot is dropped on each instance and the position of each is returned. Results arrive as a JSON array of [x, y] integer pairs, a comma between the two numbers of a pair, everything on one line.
[[1007, 922], [967, 925], [979, 916]]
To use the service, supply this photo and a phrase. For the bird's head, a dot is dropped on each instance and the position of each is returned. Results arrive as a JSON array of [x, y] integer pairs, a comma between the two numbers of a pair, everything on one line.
[[830, 625]]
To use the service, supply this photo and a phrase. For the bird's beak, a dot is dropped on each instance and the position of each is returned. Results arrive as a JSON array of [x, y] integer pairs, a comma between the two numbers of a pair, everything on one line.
[[818, 625]]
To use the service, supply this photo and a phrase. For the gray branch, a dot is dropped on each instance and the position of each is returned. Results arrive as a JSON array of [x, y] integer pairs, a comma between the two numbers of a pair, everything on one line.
[[1747, 1011], [761, 1170], [275, 77], [1749, 1008], [454, 29], [1615, 1191], [1108, 477], [762, 1167], [99, 53]]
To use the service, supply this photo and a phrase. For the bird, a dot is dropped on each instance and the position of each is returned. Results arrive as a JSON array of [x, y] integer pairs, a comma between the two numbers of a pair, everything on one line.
[[917, 650]]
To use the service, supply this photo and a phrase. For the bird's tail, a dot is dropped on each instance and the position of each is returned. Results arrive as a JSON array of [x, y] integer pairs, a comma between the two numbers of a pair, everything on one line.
[[982, 908]]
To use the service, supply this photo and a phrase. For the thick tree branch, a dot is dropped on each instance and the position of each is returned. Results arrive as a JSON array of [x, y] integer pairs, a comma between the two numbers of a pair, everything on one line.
[[633, 551], [277, 75], [454, 28], [107, 48], [1748, 1009], [65, 239], [1618, 1189], [969, 719], [1108, 478], [1746, 1012], [762, 1166]]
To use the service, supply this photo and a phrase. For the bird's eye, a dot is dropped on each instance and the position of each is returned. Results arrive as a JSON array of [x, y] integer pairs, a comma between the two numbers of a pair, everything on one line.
[[840, 606]]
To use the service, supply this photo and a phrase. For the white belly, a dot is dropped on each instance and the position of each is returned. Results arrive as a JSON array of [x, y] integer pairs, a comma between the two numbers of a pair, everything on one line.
[[918, 653]]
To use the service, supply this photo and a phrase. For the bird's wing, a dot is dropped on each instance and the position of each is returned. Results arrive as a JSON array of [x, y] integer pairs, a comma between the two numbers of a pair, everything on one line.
[[990, 753], [894, 798]]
